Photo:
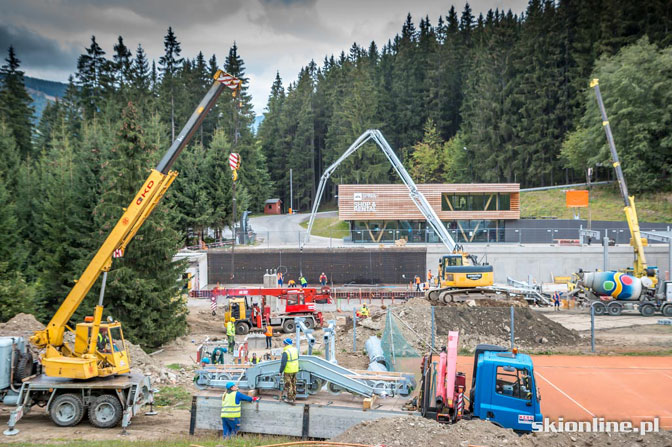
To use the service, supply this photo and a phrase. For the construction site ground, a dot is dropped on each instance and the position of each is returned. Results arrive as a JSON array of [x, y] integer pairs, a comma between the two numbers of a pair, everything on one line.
[[574, 384]]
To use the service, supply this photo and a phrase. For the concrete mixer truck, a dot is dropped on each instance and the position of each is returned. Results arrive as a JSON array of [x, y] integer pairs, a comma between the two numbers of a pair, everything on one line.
[[609, 293]]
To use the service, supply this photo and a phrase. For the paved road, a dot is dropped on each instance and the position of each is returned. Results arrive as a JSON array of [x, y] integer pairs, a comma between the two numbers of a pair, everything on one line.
[[285, 230]]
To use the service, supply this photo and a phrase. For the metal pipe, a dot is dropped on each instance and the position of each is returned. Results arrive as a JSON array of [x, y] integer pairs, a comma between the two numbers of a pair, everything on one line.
[[512, 329], [102, 289], [592, 328], [354, 330]]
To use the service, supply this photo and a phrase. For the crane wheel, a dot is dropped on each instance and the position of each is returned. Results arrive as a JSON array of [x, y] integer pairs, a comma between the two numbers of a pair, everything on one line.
[[242, 328], [288, 326], [67, 410], [24, 367], [105, 411], [310, 323]]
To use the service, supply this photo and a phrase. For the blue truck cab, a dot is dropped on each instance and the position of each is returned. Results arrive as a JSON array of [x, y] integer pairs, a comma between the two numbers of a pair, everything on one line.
[[503, 388]]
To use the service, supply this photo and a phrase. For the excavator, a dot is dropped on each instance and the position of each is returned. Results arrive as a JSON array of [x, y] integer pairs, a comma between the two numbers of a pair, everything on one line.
[[459, 273], [99, 349]]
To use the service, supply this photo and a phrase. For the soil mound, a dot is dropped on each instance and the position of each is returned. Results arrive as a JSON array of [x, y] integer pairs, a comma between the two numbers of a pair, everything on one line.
[[23, 325], [414, 431]]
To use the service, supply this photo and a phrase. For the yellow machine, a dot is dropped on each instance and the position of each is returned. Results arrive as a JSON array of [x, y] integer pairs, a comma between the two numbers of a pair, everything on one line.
[[460, 270], [99, 349], [640, 268]]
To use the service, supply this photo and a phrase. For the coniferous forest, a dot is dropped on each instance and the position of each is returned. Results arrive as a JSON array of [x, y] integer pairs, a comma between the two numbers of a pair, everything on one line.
[[493, 97]]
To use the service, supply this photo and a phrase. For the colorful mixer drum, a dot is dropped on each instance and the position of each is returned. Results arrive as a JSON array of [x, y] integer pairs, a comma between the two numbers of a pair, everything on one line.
[[616, 284]]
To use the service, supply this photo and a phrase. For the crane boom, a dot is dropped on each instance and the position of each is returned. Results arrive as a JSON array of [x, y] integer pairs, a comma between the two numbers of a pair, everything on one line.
[[418, 198], [134, 216], [636, 241]]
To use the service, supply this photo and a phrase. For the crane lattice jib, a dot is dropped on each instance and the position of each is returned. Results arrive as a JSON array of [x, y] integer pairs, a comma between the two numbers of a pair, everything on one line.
[[134, 215], [416, 196], [629, 209]]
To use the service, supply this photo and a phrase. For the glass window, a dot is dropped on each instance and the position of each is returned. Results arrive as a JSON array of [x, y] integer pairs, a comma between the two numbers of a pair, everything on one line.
[[117, 339], [504, 202], [478, 201], [444, 202], [513, 382]]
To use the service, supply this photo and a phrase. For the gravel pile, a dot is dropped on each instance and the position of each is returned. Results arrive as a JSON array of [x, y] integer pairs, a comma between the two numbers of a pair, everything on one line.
[[23, 325], [145, 364], [488, 321], [415, 431]]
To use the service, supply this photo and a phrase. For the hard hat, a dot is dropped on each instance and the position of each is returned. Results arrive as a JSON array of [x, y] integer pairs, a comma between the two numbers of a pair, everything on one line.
[[233, 319], [288, 341], [230, 385]]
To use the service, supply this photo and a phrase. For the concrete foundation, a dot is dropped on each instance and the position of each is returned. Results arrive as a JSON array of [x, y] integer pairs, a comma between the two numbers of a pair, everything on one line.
[[278, 418]]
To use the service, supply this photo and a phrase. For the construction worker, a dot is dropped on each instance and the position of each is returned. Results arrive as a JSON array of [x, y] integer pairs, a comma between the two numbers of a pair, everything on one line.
[[323, 279], [429, 277], [269, 336], [231, 403], [303, 281], [231, 334], [417, 283], [289, 366], [279, 275], [556, 301], [291, 283], [363, 311], [103, 341]]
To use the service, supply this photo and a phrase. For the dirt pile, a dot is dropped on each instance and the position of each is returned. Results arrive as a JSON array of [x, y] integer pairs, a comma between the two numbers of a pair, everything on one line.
[[412, 431], [489, 321], [23, 325]]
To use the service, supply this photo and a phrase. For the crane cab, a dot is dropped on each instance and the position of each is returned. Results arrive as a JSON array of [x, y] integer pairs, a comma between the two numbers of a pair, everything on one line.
[[459, 270], [109, 355]]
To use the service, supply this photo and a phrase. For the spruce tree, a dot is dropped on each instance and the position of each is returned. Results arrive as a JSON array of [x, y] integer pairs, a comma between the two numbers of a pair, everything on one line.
[[15, 104], [143, 291], [170, 63]]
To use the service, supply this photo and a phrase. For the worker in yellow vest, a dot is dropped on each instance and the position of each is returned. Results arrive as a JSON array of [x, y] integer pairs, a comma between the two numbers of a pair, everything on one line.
[[231, 409], [289, 366], [231, 334], [363, 311]]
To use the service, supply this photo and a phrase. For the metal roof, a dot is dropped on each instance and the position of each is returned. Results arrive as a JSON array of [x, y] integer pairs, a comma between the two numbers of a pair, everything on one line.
[[272, 201]]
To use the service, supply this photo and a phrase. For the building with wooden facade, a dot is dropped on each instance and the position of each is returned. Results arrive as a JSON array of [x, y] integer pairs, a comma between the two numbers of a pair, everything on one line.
[[474, 212]]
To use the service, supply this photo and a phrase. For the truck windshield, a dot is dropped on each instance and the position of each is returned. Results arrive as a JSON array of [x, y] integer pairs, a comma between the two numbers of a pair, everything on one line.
[[514, 382], [117, 339]]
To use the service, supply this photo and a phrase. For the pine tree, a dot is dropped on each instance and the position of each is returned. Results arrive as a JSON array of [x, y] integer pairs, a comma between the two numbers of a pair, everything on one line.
[[142, 289], [94, 78], [15, 104], [170, 63], [123, 64], [140, 74]]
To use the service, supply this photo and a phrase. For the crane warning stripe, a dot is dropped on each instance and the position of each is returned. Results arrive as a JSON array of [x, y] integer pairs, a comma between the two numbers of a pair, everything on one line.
[[230, 81], [234, 161]]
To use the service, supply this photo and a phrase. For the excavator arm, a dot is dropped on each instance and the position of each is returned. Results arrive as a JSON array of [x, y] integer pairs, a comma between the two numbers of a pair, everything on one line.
[[142, 205], [418, 198], [636, 240]]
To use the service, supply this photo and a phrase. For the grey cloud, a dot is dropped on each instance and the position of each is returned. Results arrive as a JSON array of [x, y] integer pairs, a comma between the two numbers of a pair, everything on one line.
[[96, 13], [296, 18], [35, 50]]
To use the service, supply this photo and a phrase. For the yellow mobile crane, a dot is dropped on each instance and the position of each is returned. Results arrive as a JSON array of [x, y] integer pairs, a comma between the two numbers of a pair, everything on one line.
[[640, 268], [91, 355]]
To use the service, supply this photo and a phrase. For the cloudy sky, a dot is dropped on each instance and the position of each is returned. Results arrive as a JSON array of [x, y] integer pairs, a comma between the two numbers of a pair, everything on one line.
[[272, 35]]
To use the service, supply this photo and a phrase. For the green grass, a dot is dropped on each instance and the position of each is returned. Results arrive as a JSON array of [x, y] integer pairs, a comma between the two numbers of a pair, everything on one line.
[[605, 204], [173, 396], [328, 227], [244, 440], [174, 366]]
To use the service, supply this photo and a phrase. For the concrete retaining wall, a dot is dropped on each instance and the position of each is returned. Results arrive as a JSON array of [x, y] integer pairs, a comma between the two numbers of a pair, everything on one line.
[[278, 418], [543, 261]]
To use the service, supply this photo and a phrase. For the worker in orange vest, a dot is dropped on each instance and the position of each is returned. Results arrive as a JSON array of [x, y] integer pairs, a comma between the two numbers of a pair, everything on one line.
[[417, 284], [269, 336], [429, 277]]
